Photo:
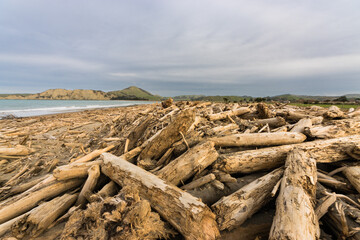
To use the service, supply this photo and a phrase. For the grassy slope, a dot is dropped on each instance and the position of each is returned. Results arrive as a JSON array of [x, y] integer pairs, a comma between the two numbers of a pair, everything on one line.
[[133, 93], [343, 106]]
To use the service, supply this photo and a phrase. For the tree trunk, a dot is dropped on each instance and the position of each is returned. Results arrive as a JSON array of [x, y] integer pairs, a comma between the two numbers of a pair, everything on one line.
[[301, 125], [192, 218], [258, 139], [353, 175], [295, 217], [86, 191], [22, 205], [324, 151], [42, 217], [233, 210], [170, 134], [16, 151], [223, 115], [272, 122], [195, 160], [75, 170]]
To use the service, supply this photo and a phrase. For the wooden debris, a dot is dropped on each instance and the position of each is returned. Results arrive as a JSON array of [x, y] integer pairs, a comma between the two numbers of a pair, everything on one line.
[[325, 151], [258, 139], [185, 166], [158, 146], [233, 210], [185, 213], [295, 216], [16, 151], [199, 182], [223, 115], [86, 191], [301, 125]]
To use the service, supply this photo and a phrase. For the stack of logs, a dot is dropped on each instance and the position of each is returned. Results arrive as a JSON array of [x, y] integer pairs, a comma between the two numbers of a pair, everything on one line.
[[210, 171]]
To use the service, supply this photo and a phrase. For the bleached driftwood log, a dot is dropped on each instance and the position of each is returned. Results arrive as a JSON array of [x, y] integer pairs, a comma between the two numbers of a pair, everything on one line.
[[74, 170], [93, 154], [108, 190], [322, 132], [264, 111], [353, 175], [183, 167], [324, 151], [210, 194], [334, 112], [199, 182], [192, 218], [258, 139], [34, 223], [295, 217], [301, 125], [16, 151], [230, 113], [11, 209], [170, 134], [272, 122], [233, 210]]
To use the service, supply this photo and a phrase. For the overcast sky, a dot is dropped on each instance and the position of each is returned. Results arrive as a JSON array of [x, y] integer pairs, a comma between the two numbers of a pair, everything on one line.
[[172, 47]]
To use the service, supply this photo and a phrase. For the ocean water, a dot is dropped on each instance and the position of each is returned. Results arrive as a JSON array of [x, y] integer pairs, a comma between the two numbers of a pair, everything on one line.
[[26, 108]]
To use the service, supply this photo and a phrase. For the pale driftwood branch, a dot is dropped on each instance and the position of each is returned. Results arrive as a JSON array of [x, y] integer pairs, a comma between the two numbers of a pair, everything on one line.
[[199, 182], [93, 175], [223, 115]]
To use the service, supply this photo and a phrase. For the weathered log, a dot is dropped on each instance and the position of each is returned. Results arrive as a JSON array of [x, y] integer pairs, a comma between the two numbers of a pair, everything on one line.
[[138, 131], [34, 223], [258, 139], [334, 183], [74, 170], [6, 226], [170, 134], [301, 125], [86, 191], [185, 166], [295, 216], [221, 129], [324, 151], [272, 122], [233, 210], [264, 111], [192, 218], [192, 139], [108, 190], [16, 151], [223, 115], [324, 132], [334, 112], [199, 182], [209, 194], [353, 175], [14, 209], [93, 154], [354, 114], [292, 116]]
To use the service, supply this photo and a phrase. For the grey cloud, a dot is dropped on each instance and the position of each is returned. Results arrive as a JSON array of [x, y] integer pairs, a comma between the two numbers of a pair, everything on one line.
[[179, 47]]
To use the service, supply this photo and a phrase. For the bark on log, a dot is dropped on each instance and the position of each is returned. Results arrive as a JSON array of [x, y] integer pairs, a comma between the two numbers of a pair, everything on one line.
[[192, 218], [324, 151], [295, 217], [196, 159], [258, 139], [14, 209], [136, 134], [353, 175], [209, 194], [42, 217], [264, 111], [223, 115], [16, 151], [233, 210], [170, 134], [301, 125]]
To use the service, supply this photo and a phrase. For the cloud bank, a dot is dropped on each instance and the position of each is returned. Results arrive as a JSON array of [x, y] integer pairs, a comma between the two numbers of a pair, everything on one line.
[[225, 47]]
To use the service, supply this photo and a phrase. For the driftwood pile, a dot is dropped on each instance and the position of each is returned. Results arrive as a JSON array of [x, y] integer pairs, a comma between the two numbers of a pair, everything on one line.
[[192, 170]]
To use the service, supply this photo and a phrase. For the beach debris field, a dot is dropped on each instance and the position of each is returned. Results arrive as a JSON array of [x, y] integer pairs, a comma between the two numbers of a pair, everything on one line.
[[182, 170]]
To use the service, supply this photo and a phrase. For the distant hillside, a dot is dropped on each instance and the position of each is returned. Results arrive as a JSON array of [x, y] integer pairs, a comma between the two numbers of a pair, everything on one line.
[[294, 98], [130, 93]]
